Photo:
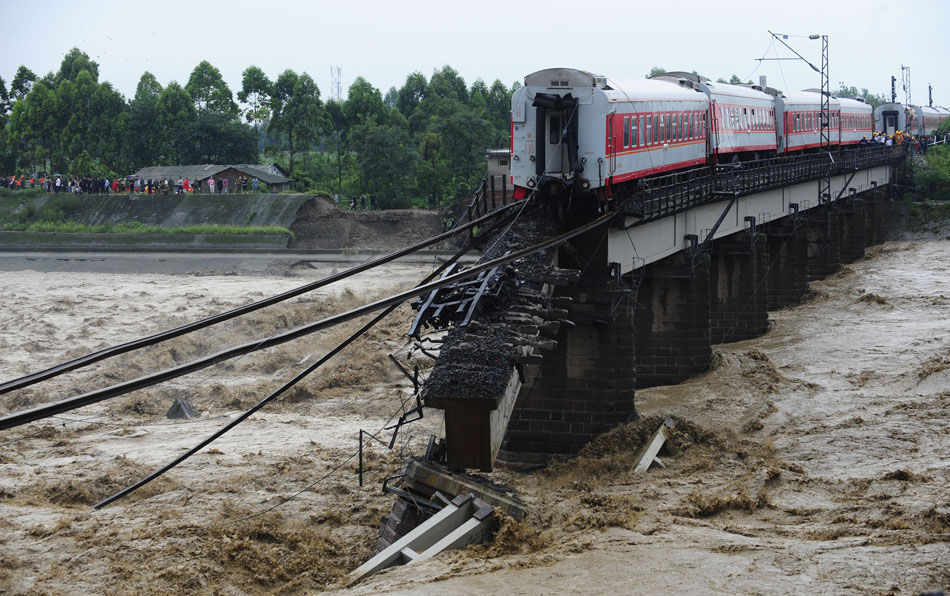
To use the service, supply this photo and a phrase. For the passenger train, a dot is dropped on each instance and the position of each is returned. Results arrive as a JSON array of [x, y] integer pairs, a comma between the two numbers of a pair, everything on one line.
[[576, 131]]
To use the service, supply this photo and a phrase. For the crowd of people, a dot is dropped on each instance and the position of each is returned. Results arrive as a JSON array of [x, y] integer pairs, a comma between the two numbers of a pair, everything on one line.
[[131, 184]]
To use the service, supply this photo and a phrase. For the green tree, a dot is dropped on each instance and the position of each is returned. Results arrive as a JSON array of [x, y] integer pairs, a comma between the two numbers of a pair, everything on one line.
[[176, 123], [209, 91], [6, 102], [364, 104], [297, 112], [34, 127], [386, 159], [22, 82], [74, 62], [144, 134], [222, 138], [390, 98], [447, 83], [655, 72], [411, 94], [256, 91]]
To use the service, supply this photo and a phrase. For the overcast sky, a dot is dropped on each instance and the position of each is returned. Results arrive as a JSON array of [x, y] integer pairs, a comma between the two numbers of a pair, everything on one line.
[[383, 41]]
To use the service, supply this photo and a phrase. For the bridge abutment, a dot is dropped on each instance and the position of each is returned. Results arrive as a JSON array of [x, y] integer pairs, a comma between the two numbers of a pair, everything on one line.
[[737, 288], [582, 388], [671, 328]]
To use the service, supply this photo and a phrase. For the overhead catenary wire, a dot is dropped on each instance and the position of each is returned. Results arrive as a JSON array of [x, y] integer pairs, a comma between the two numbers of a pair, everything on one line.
[[275, 394], [92, 397], [297, 378], [112, 351]]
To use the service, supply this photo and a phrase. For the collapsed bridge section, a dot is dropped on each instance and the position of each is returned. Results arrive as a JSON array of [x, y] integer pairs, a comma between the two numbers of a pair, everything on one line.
[[689, 261]]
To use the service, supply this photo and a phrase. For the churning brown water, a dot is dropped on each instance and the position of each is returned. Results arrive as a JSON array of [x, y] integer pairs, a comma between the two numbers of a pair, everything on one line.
[[811, 460]]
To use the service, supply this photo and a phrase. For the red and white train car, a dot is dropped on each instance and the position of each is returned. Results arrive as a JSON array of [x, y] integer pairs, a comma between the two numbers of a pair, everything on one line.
[[854, 122], [799, 125], [653, 126], [742, 119]]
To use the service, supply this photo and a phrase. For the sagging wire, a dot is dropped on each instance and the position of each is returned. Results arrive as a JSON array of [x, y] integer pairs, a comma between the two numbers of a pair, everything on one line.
[[332, 471]]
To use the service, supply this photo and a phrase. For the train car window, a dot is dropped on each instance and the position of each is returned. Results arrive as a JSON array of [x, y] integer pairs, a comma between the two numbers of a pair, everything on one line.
[[662, 128], [648, 132], [692, 125], [684, 124], [633, 132], [674, 121], [626, 131], [554, 133]]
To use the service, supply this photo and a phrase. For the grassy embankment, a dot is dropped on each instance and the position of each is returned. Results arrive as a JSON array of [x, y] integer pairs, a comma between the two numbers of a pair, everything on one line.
[[19, 213], [928, 203]]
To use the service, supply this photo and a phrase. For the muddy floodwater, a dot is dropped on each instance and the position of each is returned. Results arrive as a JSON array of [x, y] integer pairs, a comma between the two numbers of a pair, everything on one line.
[[812, 460]]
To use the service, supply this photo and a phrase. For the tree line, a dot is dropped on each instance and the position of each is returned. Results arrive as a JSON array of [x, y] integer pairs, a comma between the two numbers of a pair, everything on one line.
[[423, 143]]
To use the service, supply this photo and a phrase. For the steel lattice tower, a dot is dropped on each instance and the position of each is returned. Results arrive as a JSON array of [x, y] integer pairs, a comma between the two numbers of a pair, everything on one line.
[[824, 191]]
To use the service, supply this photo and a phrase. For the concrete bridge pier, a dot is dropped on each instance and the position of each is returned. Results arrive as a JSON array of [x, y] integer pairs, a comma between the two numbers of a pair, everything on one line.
[[876, 215], [788, 262], [671, 325], [851, 214], [582, 388], [824, 242], [737, 287]]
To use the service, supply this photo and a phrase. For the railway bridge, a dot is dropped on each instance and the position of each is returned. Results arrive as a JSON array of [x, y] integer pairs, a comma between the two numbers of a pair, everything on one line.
[[690, 260]]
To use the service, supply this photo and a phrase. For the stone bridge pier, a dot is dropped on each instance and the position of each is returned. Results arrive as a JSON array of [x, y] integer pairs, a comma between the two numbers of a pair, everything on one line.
[[824, 241], [852, 216], [738, 289], [787, 277]]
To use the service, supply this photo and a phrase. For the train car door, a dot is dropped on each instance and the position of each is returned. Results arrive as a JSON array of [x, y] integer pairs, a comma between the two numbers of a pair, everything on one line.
[[890, 121], [557, 134], [556, 138]]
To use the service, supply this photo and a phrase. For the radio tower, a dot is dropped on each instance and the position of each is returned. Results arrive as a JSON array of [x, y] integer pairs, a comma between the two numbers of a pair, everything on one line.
[[336, 85]]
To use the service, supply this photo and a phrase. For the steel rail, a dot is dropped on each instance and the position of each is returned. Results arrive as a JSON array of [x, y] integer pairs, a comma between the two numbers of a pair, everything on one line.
[[151, 340], [72, 403]]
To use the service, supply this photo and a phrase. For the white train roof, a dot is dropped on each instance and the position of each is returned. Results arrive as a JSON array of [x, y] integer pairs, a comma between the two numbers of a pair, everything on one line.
[[737, 91], [805, 98], [650, 89], [853, 104]]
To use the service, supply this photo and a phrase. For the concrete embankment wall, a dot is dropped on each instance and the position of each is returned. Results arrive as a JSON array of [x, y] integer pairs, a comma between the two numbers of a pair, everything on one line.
[[315, 220], [174, 211]]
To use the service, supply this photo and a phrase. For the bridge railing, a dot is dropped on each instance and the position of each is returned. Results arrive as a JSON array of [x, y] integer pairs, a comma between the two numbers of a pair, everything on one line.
[[492, 193], [673, 193]]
